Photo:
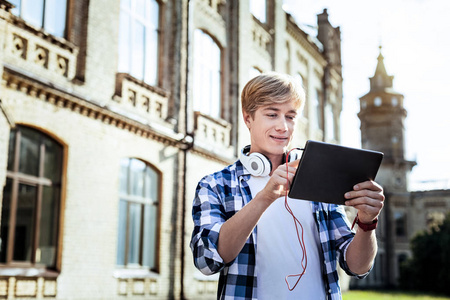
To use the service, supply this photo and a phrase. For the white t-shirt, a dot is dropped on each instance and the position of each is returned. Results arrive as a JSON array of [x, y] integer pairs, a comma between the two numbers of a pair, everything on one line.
[[278, 251]]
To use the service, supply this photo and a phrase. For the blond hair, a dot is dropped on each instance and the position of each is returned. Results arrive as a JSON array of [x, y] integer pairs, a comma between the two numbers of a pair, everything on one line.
[[270, 88]]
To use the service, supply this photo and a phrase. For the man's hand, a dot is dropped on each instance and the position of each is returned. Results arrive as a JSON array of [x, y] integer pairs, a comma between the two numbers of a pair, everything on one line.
[[280, 181], [367, 197]]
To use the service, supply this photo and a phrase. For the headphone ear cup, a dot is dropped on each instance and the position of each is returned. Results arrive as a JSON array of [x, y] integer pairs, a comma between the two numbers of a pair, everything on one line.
[[294, 155], [259, 165], [256, 163]]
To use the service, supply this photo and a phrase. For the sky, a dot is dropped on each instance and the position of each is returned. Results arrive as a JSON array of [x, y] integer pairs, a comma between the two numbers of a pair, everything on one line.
[[415, 40]]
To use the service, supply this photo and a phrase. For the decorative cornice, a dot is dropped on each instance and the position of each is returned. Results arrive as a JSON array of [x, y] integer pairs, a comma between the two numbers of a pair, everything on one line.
[[76, 103], [215, 156], [302, 38]]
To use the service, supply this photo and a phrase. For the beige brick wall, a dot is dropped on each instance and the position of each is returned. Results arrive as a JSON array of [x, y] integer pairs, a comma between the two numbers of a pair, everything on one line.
[[93, 152], [197, 285]]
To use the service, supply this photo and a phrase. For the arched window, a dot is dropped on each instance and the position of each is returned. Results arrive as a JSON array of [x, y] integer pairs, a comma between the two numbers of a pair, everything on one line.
[[318, 108], [31, 199], [329, 119], [49, 15], [207, 75], [400, 223], [301, 80], [139, 39], [138, 214]]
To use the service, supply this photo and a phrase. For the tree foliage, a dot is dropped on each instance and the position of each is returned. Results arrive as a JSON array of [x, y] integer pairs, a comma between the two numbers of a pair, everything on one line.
[[429, 267]]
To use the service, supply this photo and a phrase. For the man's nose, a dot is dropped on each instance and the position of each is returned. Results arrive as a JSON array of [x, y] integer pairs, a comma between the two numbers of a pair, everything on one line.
[[282, 124]]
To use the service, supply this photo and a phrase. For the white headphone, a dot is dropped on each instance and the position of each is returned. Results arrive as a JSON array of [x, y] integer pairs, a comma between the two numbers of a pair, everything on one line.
[[258, 164]]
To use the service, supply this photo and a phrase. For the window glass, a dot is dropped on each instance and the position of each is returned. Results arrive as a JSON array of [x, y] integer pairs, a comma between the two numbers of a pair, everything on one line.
[[49, 14], [134, 233], [316, 102], [330, 122], [29, 152], [400, 224], [48, 227], [151, 54], [6, 206], [125, 41], [151, 185], [139, 8], [207, 75], [139, 39], [137, 231], [258, 9], [33, 12], [55, 17], [121, 241], [24, 227], [126, 4], [123, 179], [137, 51], [52, 160], [11, 147], [149, 236], [137, 169], [16, 9]]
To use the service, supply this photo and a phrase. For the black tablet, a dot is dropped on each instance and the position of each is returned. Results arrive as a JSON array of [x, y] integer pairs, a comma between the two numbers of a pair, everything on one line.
[[327, 171]]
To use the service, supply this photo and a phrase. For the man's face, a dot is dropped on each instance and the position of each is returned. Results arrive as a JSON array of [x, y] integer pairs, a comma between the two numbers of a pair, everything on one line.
[[271, 128]]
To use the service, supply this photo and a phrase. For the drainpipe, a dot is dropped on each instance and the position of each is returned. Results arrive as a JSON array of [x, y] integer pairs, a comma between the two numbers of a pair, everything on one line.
[[188, 141]]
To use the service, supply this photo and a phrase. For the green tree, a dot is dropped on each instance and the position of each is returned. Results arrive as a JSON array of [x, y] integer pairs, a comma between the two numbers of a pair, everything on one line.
[[429, 267]]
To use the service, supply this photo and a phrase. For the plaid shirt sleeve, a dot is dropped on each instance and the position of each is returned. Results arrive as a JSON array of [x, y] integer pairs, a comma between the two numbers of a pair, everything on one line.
[[209, 216], [335, 236]]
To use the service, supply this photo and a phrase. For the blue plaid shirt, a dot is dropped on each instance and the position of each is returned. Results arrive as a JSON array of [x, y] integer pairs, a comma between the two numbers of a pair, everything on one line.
[[218, 197]]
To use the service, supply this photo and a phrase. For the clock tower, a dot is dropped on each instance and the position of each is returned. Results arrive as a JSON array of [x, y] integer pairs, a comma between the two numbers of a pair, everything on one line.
[[382, 118]]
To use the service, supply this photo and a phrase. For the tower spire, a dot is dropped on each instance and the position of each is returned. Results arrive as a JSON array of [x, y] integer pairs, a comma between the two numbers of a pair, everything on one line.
[[381, 80], [381, 69]]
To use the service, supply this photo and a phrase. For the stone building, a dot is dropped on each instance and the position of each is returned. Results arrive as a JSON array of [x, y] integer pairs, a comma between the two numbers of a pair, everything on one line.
[[110, 113], [406, 212]]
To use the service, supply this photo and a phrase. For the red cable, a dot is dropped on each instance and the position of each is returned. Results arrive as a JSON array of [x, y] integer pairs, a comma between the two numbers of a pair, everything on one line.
[[304, 261]]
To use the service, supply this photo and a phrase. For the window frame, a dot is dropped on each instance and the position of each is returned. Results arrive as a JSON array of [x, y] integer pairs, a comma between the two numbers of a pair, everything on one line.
[[131, 199], [401, 228], [39, 181], [317, 103], [42, 26], [196, 67], [159, 47]]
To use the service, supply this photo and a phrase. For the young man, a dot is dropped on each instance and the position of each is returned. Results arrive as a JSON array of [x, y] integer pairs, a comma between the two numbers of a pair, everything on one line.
[[243, 230]]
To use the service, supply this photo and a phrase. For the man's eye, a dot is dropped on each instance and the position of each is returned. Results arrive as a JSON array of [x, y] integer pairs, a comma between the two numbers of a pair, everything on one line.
[[271, 115], [290, 117]]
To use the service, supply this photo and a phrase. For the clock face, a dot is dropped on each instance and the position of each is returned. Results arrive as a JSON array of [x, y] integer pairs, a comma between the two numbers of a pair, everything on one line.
[[377, 101]]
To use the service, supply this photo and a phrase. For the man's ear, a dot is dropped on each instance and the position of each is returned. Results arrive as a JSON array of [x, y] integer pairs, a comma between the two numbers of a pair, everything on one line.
[[247, 118]]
